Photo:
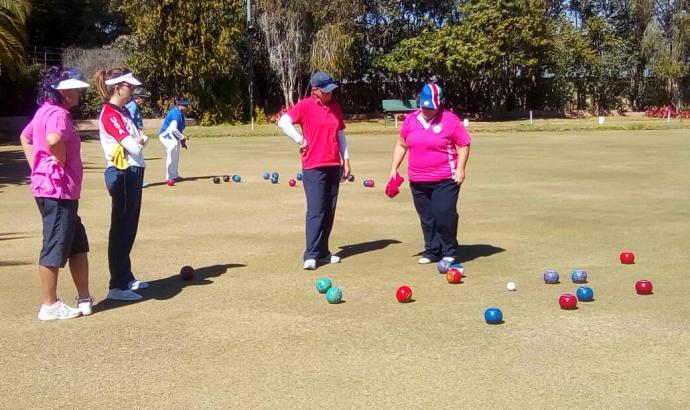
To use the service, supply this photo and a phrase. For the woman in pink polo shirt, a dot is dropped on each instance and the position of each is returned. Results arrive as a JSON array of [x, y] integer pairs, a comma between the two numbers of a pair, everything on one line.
[[53, 149], [438, 147], [325, 161]]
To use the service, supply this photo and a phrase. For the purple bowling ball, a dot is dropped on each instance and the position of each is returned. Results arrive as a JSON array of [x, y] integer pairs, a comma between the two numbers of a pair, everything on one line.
[[443, 266], [551, 277]]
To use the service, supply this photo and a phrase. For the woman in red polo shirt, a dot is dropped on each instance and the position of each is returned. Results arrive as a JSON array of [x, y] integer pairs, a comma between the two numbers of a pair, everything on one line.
[[325, 161]]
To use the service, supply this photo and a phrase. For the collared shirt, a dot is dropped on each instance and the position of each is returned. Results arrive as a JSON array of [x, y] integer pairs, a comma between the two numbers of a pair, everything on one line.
[[49, 179], [175, 114], [116, 127], [432, 146], [135, 112], [320, 126]]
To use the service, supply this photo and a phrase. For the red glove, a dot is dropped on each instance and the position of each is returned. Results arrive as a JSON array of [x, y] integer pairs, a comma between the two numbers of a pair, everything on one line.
[[393, 186]]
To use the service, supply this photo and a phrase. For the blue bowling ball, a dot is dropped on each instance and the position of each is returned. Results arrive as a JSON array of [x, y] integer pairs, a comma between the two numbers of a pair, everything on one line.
[[274, 180], [456, 265], [236, 178], [579, 276], [493, 315], [585, 294], [267, 175], [299, 176]]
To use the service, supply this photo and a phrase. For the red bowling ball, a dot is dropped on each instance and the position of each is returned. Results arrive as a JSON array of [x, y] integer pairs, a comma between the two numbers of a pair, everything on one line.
[[170, 182], [627, 257], [292, 182], [644, 287], [404, 294], [568, 301], [453, 276]]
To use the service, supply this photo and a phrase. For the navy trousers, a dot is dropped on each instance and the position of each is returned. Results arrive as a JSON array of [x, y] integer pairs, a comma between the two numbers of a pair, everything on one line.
[[436, 204], [125, 190], [321, 189]]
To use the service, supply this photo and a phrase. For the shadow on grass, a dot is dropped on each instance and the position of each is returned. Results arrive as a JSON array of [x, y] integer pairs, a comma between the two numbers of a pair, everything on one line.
[[167, 288], [496, 323], [190, 179], [14, 170], [8, 236], [364, 247], [14, 263], [471, 252]]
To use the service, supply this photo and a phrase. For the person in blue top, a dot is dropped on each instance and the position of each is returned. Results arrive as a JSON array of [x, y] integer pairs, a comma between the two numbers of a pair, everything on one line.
[[172, 138], [134, 107]]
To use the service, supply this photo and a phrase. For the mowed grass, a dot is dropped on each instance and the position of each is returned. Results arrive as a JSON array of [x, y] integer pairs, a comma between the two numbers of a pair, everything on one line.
[[252, 332], [634, 122]]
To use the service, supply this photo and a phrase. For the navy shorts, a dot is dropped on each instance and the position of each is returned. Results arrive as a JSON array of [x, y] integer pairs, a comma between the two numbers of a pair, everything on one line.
[[63, 233]]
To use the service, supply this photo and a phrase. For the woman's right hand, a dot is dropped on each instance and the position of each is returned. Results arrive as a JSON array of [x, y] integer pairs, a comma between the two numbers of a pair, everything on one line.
[[392, 174], [303, 148]]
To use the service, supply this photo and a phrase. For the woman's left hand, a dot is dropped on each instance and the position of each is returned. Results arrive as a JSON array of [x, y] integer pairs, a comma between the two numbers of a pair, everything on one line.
[[459, 176], [346, 169]]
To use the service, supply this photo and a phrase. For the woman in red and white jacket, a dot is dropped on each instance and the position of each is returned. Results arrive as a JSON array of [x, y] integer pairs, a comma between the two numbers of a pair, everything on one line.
[[123, 146]]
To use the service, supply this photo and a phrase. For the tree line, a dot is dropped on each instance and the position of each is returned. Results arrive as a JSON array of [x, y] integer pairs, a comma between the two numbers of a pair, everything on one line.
[[490, 56]]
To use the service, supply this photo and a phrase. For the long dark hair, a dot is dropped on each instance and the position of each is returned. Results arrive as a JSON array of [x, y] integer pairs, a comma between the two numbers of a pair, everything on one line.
[[47, 92]]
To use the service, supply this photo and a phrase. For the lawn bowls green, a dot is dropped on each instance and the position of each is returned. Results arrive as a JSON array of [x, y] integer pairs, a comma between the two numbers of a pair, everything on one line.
[[334, 295], [323, 284]]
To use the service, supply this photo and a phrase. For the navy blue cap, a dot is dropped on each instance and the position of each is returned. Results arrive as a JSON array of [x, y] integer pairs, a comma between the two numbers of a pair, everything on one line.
[[141, 92], [323, 82], [182, 101]]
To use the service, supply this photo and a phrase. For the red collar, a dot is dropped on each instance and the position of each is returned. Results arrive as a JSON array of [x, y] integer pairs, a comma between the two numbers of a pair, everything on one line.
[[121, 110]]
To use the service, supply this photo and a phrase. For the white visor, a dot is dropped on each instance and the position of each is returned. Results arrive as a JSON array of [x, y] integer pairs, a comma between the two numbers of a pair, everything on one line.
[[127, 78], [71, 84]]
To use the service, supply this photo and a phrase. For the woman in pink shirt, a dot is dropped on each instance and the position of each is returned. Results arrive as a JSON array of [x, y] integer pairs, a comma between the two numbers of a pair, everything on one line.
[[438, 147], [53, 149], [325, 161]]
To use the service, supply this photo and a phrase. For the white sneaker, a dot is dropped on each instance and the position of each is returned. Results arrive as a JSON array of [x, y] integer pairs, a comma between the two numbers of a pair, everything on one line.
[[85, 306], [119, 294], [57, 311], [424, 260], [449, 259], [310, 264], [137, 284], [330, 259]]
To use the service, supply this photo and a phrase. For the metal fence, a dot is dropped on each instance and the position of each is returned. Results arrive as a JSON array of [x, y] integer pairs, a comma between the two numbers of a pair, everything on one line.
[[44, 56]]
